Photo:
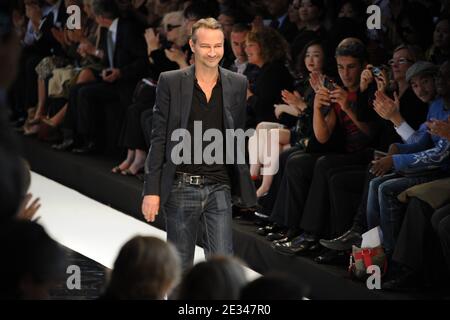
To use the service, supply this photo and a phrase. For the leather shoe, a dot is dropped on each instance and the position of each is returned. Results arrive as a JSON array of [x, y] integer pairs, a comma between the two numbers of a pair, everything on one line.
[[66, 145], [85, 149], [271, 228], [273, 236], [304, 247], [344, 242], [332, 257]]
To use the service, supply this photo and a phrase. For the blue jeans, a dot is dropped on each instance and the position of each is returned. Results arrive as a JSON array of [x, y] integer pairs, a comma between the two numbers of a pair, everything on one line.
[[189, 207], [383, 207]]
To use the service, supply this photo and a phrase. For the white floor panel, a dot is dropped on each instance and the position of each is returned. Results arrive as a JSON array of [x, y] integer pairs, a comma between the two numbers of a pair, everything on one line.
[[89, 227]]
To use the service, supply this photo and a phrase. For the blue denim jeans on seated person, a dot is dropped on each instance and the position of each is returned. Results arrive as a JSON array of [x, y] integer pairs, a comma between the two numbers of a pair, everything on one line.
[[383, 207], [190, 207]]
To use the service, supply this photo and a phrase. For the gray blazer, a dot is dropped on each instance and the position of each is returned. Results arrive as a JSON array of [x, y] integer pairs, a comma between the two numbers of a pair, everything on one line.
[[171, 111]]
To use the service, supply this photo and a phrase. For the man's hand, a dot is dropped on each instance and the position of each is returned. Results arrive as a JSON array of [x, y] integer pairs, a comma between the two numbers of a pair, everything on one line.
[[27, 212], [382, 166], [366, 78], [340, 96], [34, 13], [322, 98], [150, 207], [111, 75], [439, 128]]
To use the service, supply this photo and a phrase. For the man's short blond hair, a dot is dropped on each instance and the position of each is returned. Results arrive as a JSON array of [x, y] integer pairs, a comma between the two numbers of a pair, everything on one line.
[[208, 23]]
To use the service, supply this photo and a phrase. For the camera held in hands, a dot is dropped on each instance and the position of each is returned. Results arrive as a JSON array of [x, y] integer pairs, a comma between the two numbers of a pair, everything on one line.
[[376, 71], [329, 84]]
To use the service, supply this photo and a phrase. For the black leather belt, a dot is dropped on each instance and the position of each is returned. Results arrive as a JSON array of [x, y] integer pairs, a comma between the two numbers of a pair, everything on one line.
[[194, 180]]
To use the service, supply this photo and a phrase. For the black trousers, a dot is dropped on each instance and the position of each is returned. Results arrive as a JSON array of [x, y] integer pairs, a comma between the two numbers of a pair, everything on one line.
[[267, 202], [345, 187], [132, 135], [25, 86], [316, 213], [441, 223], [70, 123], [418, 245], [293, 192]]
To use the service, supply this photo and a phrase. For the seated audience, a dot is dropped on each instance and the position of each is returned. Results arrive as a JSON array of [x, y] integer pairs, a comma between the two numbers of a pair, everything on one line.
[[219, 278], [146, 268]]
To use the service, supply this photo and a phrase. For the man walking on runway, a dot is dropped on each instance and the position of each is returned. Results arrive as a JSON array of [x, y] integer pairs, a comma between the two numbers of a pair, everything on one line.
[[193, 193]]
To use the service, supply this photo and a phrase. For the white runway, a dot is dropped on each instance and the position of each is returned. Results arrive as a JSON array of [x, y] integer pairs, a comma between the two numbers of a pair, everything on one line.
[[89, 227]]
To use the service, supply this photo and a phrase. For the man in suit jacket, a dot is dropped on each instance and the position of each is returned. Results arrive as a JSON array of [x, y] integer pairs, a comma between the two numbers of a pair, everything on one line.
[[123, 50], [280, 22], [189, 193]]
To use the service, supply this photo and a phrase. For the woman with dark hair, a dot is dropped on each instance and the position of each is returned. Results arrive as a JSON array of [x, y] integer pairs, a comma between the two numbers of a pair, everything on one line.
[[298, 104], [220, 278], [146, 268], [268, 50]]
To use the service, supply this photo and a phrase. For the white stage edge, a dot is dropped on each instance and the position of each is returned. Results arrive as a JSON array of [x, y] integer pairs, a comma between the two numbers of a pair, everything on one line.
[[89, 227]]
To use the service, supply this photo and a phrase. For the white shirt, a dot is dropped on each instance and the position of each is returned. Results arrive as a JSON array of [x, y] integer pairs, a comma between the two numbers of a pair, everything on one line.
[[55, 10], [240, 67], [404, 131], [113, 29], [30, 35]]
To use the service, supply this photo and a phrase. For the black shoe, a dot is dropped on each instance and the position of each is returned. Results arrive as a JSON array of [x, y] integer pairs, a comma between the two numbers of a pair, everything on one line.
[[344, 242], [274, 236], [66, 145], [85, 149], [279, 241], [296, 247], [328, 256], [271, 228]]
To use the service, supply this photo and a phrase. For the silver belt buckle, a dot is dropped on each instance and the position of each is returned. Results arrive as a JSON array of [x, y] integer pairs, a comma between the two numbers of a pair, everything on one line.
[[195, 180]]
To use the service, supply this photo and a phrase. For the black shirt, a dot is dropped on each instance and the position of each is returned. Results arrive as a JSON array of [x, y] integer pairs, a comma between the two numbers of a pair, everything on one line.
[[210, 114]]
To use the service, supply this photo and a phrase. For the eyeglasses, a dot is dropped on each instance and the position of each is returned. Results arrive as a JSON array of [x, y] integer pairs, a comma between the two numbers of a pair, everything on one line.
[[169, 27], [400, 61]]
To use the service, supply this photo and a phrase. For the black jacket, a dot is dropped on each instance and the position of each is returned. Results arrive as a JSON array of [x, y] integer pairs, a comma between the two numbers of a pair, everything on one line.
[[171, 112]]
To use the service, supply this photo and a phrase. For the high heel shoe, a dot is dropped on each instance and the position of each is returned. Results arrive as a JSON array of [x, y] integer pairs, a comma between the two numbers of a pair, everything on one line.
[[128, 172], [116, 170]]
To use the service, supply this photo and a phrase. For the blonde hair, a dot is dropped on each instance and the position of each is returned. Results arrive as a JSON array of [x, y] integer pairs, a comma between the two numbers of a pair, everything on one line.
[[208, 23], [176, 17]]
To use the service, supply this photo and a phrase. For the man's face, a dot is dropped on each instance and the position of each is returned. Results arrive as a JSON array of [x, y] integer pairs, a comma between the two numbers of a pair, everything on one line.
[[349, 69], [424, 88], [227, 23], [208, 48], [238, 45], [443, 81]]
